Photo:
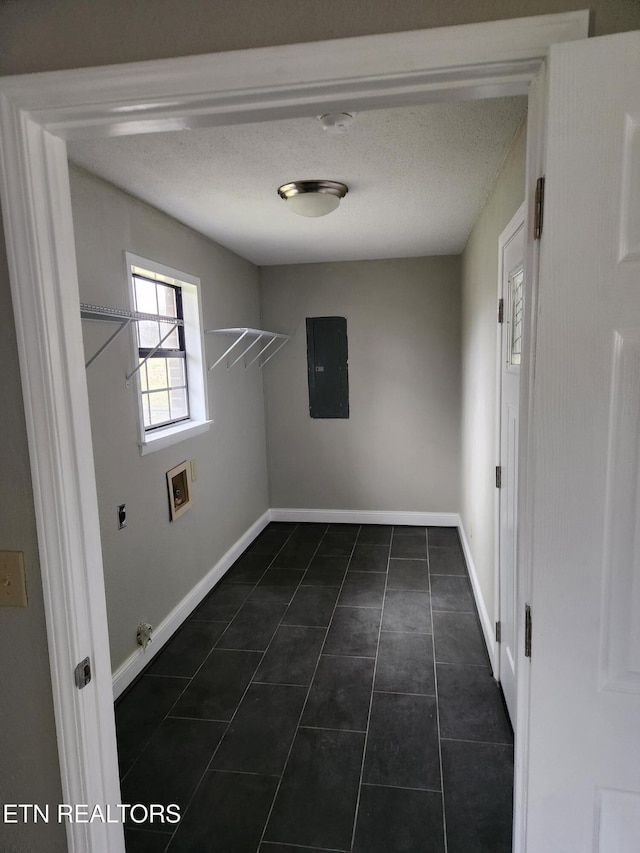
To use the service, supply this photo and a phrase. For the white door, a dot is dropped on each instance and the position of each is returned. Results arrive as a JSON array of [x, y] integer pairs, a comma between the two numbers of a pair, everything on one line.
[[511, 266], [584, 745]]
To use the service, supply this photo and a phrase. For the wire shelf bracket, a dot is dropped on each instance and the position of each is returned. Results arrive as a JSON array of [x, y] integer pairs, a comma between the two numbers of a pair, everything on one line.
[[247, 340], [124, 319]]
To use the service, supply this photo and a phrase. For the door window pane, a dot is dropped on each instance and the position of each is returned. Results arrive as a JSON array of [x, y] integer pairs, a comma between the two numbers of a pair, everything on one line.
[[516, 287]]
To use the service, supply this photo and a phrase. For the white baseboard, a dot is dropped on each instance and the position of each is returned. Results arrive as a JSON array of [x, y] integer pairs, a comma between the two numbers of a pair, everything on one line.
[[135, 663], [356, 516], [487, 626]]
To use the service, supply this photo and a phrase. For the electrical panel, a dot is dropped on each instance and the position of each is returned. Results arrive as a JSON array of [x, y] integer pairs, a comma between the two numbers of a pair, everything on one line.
[[327, 367]]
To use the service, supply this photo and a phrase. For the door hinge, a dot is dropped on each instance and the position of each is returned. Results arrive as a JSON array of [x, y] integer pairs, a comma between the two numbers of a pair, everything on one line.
[[498, 632], [498, 476], [527, 631], [539, 210], [82, 673], [501, 311]]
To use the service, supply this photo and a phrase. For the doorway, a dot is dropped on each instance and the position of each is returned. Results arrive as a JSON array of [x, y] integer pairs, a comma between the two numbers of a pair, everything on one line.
[[45, 293]]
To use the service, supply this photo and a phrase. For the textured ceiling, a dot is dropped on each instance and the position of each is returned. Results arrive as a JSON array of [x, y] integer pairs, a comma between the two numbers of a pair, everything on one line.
[[418, 178]]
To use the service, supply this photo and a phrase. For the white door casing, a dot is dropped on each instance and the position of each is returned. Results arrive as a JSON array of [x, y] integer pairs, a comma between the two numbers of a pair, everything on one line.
[[511, 247], [584, 747], [37, 113]]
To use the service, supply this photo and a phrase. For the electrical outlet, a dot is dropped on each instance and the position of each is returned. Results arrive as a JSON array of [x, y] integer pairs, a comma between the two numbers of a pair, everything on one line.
[[122, 516], [13, 590]]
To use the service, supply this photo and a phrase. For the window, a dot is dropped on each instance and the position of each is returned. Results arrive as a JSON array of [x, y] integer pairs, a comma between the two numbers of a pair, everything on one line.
[[516, 294], [171, 377], [162, 353]]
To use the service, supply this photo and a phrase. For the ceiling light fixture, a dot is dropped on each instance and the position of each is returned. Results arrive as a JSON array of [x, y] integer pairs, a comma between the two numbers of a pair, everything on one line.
[[313, 198]]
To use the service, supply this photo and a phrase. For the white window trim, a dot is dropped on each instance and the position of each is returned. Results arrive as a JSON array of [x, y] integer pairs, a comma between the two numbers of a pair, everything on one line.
[[199, 421]]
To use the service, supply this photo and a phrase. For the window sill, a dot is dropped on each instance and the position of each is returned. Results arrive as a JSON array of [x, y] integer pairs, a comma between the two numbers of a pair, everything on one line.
[[173, 435]]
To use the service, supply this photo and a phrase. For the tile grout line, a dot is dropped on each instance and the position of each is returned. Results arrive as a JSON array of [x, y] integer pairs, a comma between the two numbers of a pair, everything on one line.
[[402, 693], [435, 678], [197, 787], [373, 685], [331, 729], [399, 787], [270, 564], [305, 847], [264, 652], [304, 704], [419, 633], [229, 621], [189, 680], [169, 835], [253, 586], [156, 729], [354, 657], [246, 773], [482, 742]]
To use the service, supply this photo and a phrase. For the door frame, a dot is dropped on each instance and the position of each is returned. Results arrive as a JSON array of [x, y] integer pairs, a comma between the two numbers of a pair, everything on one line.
[[517, 221], [38, 113]]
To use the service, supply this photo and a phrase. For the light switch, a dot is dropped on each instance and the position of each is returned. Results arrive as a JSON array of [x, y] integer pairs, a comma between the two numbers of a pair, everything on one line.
[[13, 591], [194, 470]]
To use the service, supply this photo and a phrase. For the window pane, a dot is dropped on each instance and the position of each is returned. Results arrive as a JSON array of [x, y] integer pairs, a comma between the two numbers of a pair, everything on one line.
[[179, 404], [149, 333], [145, 296], [146, 414], [163, 381], [176, 367], [157, 373], [144, 383], [159, 407], [173, 341], [167, 301]]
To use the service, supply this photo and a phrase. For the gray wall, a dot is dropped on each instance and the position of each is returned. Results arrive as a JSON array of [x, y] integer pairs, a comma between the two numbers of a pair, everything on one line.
[[479, 357], [37, 35], [152, 564], [40, 35], [399, 448], [28, 753]]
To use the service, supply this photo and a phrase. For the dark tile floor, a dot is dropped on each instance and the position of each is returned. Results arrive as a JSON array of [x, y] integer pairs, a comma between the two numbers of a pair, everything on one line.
[[299, 709]]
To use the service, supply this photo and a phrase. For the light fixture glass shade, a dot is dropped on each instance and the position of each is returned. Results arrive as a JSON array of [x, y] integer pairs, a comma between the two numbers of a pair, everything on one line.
[[313, 204], [312, 198]]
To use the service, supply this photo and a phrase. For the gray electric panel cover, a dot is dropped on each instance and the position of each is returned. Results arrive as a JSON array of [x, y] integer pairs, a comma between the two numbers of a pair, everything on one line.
[[327, 367]]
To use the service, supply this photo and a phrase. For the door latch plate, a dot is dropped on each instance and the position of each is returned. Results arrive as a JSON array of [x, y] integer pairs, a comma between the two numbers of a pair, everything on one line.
[[83, 673]]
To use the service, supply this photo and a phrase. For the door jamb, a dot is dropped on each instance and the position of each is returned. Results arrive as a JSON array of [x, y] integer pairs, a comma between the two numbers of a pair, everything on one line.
[[38, 112], [517, 221], [536, 149]]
